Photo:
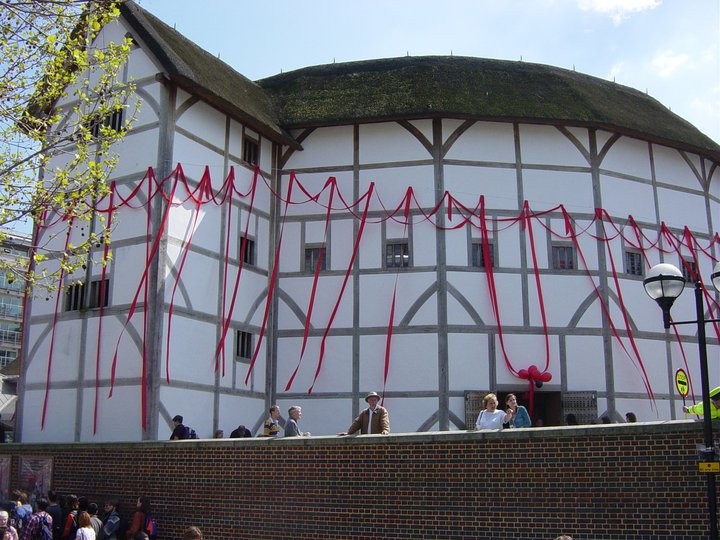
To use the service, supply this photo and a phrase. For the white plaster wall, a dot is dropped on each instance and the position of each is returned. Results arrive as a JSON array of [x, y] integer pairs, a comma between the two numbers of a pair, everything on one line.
[[622, 197], [483, 141], [627, 371], [408, 414], [327, 295], [468, 364], [671, 168], [628, 156], [680, 209], [59, 419], [391, 185], [193, 405], [324, 147], [522, 352], [585, 364], [376, 292], [237, 410], [119, 417], [389, 142], [466, 184], [335, 374], [205, 122], [413, 362], [192, 350], [547, 145], [547, 189]]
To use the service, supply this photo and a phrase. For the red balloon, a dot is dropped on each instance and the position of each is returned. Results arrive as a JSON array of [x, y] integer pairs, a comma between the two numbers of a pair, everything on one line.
[[546, 377], [523, 374]]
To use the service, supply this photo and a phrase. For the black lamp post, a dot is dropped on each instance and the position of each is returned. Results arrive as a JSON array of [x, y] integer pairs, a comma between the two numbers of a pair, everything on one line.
[[664, 284]]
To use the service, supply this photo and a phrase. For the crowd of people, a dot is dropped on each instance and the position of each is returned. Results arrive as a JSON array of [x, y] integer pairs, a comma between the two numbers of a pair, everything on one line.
[[69, 517]]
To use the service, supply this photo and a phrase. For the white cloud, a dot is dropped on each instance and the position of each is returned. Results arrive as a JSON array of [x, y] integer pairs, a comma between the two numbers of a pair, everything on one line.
[[619, 10], [667, 62]]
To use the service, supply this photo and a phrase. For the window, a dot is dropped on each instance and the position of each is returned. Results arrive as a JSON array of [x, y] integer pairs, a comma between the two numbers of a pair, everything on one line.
[[312, 256], [251, 151], [689, 270], [477, 257], [633, 263], [114, 121], [563, 257], [397, 254], [6, 357], [247, 255], [10, 282], [243, 345], [99, 295]]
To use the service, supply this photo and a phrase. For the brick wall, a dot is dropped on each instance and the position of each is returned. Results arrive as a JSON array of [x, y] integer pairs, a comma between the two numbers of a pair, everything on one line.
[[609, 482]]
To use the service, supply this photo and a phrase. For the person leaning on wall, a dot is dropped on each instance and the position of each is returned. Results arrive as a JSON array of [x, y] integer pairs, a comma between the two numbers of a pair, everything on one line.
[[373, 420]]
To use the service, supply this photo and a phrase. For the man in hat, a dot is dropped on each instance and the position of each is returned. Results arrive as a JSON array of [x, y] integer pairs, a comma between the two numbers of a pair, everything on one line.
[[373, 420], [714, 405]]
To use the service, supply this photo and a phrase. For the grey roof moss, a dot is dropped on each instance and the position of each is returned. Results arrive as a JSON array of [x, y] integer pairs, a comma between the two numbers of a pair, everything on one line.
[[413, 87], [463, 87]]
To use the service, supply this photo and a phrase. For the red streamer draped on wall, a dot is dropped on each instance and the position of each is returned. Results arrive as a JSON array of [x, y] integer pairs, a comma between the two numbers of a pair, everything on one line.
[[684, 246]]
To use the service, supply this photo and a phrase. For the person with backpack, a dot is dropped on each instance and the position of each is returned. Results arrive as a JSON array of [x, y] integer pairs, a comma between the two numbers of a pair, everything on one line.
[[142, 518], [21, 512], [71, 524], [40, 525], [181, 431], [7, 531]]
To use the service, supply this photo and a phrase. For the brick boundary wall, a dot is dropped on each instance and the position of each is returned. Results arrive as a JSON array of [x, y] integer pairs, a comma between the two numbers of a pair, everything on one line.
[[621, 481]]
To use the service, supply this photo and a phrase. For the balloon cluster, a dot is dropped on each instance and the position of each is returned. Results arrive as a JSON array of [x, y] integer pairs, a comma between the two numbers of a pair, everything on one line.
[[534, 375]]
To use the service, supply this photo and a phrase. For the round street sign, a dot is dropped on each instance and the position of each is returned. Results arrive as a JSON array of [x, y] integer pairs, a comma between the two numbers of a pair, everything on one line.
[[681, 382]]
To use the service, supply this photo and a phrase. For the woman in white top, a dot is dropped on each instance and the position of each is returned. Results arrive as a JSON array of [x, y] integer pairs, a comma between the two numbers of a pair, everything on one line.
[[490, 417], [85, 530]]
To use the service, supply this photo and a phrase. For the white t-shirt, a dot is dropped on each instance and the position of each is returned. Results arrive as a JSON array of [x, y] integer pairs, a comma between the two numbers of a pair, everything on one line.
[[85, 533], [490, 420]]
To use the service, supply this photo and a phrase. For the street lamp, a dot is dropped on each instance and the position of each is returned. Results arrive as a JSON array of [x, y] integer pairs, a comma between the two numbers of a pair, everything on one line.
[[664, 283]]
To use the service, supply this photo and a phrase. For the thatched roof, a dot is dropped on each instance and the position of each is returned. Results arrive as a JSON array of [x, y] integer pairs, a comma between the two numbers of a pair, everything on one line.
[[204, 75], [413, 87], [462, 87]]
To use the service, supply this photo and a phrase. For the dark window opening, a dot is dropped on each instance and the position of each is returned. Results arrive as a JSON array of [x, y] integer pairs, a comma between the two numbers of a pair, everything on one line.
[[251, 151], [243, 345], [397, 255], [563, 257], [313, 255], [477, 255]]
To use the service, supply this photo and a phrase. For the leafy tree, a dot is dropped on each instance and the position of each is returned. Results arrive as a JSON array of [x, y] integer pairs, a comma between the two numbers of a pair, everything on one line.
[[58, 92]]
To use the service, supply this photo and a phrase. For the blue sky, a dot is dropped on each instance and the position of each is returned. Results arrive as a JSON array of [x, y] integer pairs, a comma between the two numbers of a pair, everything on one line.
[[669, 48]]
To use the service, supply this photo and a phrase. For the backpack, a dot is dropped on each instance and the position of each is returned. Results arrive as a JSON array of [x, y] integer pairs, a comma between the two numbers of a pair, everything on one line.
[[74, 526], [191, 433], [150, 527], [20, 516], [43, 532]]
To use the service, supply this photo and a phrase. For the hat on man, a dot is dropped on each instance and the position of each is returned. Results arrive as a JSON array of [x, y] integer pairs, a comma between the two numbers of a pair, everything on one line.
[[715, 393], [375, 394]]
